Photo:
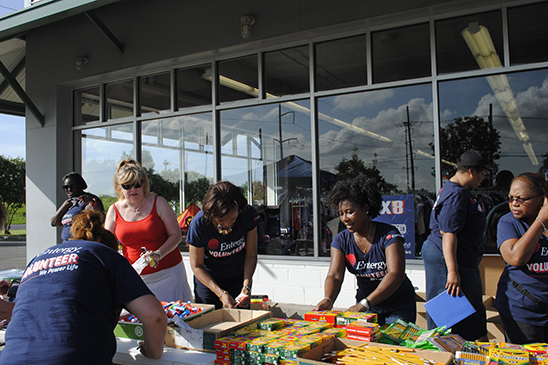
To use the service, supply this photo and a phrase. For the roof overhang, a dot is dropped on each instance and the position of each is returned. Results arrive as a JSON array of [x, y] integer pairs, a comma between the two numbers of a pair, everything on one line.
[[14, 26]]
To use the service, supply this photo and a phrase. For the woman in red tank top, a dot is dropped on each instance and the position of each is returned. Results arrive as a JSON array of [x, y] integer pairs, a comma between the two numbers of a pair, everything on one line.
[[141, 219]]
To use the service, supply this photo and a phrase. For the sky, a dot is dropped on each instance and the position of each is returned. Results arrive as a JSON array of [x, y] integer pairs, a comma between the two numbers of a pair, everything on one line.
[[12, 129]]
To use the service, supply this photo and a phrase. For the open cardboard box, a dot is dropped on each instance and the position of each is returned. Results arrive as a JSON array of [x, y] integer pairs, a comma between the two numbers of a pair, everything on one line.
[[313, 356], [201, 333], [135, 330]]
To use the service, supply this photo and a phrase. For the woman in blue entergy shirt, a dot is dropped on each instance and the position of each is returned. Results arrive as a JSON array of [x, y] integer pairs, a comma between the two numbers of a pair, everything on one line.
[[454, 248], [372, 251], [522, 293]]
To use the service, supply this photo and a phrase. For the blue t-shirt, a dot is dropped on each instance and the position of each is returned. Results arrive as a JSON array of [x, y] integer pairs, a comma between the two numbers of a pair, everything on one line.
[[73, 211], [533, 276], [370, 268], [68, 304], [457, 211], [224, 254]]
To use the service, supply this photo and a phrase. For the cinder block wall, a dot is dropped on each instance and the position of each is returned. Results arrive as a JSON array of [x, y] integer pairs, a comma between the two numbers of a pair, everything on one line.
[[299, 281]]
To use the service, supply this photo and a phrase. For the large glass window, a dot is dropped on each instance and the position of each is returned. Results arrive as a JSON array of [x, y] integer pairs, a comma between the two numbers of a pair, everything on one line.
[[155, 93], [287, 71], [502, 115], [178, 156], [88, 107], [238, 79], [193, 87], [385, 134], [266, 150], [102, 149], [341, 63], [528, 33], [119, 99], [469, 43], [401, 53]]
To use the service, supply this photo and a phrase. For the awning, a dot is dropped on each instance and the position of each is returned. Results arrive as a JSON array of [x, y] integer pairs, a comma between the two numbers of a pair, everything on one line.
[[13, 27]]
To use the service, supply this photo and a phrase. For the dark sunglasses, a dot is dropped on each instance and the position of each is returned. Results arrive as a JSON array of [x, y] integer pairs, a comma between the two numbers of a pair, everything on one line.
[[70, 186], [129, 186], [521, 200]]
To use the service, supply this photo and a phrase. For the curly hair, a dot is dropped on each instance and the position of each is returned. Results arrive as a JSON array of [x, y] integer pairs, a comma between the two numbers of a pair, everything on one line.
[[88, 226], [221, 198], [362, 190], [128, 172]]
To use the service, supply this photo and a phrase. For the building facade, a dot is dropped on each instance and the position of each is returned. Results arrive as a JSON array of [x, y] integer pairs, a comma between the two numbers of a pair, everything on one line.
[[282, 99]]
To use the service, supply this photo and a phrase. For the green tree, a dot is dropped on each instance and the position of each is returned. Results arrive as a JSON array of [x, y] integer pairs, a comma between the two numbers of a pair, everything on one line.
[[167, 189], [469, 133], [196, 189], [355, 166], [12, 180]]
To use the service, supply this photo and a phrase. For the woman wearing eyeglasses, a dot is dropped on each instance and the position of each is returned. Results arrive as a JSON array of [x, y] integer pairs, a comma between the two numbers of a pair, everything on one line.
[[78, 200], [522, 293], [140, 220]]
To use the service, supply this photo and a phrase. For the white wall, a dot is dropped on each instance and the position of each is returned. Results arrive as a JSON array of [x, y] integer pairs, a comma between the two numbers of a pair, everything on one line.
[[300, 281]]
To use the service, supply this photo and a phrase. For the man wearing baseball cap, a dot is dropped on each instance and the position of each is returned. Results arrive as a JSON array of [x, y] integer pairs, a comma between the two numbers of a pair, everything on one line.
[[454, 248]]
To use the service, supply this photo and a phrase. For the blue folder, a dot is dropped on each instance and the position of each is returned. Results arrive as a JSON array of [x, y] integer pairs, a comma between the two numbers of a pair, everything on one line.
[[447, 310]]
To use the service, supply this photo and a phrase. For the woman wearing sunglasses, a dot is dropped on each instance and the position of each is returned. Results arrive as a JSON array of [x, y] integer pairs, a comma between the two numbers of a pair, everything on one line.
[[522, 293], [146, 225], [78, 200]]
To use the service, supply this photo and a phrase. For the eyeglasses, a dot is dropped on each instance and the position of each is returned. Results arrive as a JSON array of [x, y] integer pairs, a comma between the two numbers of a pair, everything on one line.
[[511, 199], [129, 186], [69, 186]]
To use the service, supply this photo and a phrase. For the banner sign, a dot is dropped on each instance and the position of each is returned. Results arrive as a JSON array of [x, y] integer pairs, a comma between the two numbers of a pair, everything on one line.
[[399, 211]]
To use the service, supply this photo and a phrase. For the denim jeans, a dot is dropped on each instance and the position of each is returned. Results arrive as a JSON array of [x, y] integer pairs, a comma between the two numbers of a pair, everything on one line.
[[472, 327]]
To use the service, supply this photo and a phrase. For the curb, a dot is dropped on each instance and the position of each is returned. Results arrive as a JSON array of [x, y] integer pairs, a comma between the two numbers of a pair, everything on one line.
[[13, 238]]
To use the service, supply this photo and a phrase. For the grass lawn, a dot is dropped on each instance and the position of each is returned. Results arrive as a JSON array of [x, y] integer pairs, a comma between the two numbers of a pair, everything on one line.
[[14, 233]]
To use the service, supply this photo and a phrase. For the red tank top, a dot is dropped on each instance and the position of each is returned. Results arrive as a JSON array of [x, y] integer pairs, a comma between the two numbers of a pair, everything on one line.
[[150, 233]]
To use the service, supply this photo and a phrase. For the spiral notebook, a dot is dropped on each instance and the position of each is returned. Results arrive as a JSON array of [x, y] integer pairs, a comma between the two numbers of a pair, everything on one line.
[[447, 310]]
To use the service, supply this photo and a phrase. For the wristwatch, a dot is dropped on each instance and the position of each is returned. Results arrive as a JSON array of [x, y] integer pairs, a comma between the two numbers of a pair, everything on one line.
[[366, 303]]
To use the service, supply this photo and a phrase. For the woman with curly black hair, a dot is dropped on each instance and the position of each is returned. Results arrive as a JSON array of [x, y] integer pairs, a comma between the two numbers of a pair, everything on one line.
[[372, 251]]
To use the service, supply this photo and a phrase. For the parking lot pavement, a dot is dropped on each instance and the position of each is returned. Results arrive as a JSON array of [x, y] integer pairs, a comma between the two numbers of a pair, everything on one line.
[[13, 254]]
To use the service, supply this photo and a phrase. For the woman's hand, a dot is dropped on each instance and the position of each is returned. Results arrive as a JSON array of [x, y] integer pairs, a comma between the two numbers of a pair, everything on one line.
[[453, 283], [227, 300], [356, 308], [324, 305]]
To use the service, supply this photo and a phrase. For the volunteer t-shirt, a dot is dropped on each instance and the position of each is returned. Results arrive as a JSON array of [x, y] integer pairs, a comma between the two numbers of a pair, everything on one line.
[[533, 276], [370, 268], [68, 304], [457, 211], [224, 254]]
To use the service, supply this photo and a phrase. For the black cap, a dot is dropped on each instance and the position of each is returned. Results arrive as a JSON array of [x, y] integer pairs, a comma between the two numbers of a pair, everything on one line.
[[473, 158]]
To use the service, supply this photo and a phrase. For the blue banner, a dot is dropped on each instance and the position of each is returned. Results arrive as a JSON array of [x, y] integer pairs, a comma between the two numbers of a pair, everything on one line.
[[399, 211]]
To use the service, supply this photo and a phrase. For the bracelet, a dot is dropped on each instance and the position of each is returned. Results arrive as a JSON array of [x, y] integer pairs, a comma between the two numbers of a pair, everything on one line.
[[541, 222], [328, 298], [159, 253], [366, 303], [247, 287], [223, 292]]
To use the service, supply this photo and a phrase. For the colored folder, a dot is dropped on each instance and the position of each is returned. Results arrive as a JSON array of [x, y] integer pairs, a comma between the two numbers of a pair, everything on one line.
[[447, 310]]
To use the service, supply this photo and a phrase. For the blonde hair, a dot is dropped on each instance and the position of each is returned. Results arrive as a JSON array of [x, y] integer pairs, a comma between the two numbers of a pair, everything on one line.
[[88, 226], [129, 172]]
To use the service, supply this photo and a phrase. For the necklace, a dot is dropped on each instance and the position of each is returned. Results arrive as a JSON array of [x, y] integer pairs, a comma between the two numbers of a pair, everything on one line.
[[137, 212], [223, 231]]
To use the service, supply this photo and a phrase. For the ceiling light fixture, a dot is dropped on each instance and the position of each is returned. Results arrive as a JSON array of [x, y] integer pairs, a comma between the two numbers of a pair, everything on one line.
[[481, 45]]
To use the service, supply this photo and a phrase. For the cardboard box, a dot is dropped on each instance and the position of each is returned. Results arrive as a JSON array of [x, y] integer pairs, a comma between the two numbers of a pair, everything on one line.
[[313, 356], [201, 333], [135, 330]]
